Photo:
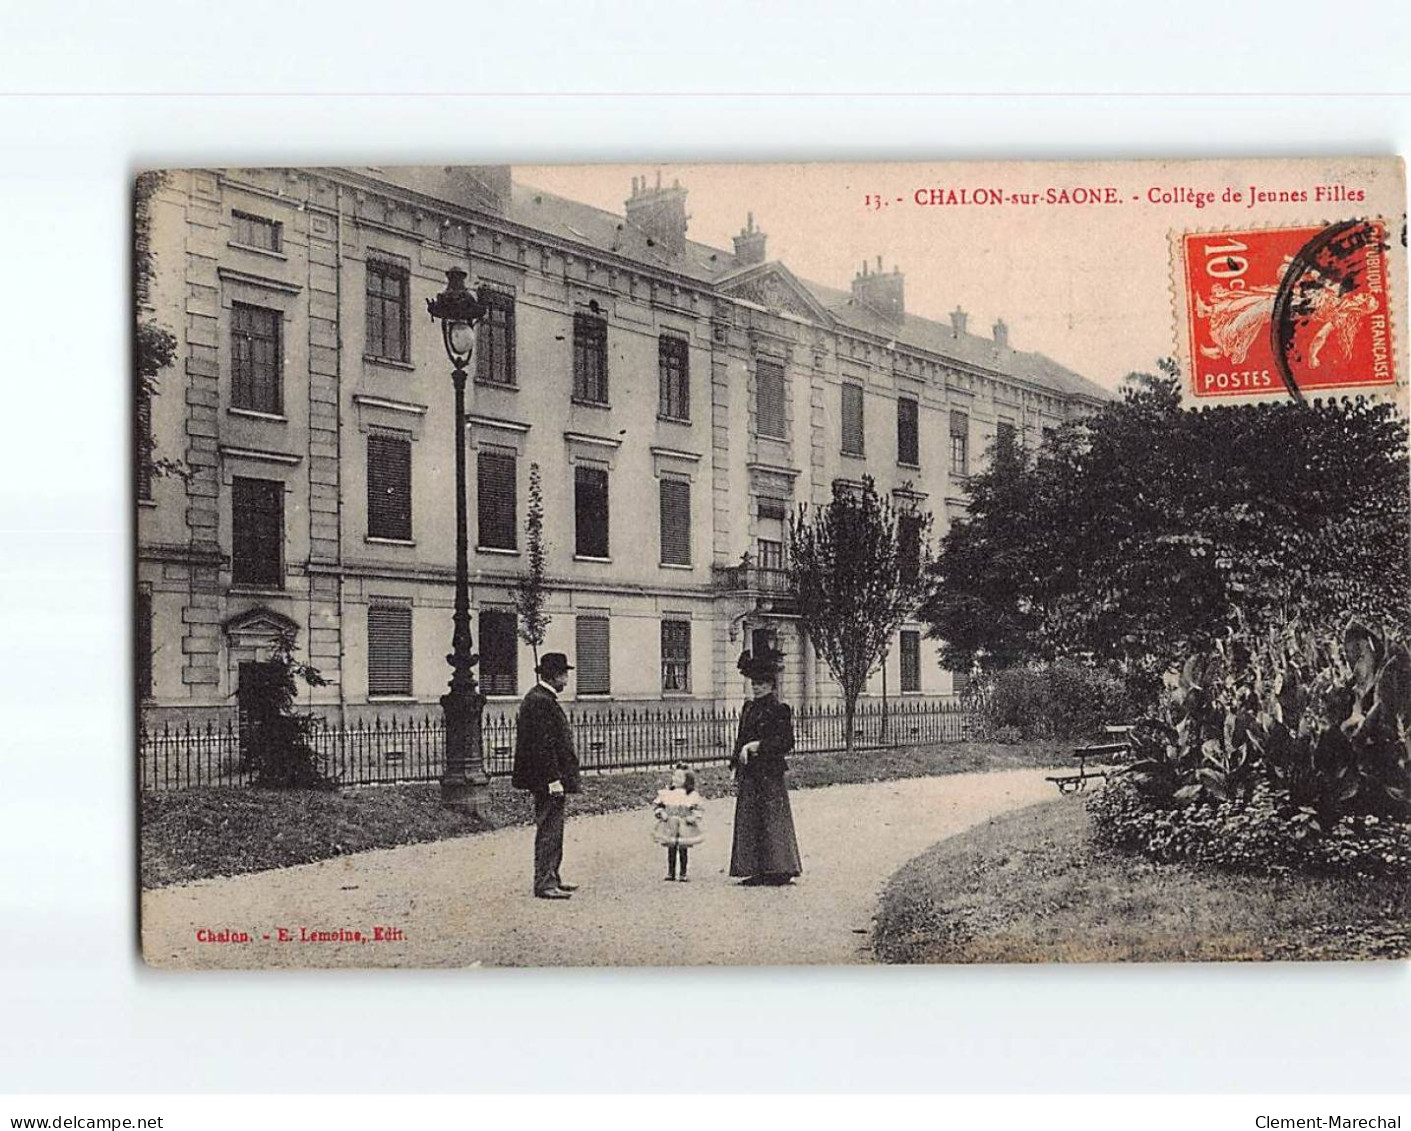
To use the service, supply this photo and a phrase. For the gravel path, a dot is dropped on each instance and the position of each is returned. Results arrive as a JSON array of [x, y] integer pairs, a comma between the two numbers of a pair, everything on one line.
[[466, 902]]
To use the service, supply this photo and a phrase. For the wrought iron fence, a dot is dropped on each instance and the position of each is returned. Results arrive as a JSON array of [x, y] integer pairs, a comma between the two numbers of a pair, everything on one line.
[[409, 748]]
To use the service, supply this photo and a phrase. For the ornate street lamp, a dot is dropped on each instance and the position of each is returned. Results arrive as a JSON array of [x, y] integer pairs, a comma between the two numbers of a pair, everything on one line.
[[464, 782]]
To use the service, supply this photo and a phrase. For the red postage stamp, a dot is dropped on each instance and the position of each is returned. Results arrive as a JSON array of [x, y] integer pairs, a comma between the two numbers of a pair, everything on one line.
[[1287, 310]]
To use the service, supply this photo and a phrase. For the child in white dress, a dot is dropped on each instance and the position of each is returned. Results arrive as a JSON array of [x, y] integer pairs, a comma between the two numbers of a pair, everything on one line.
[[678, 813]]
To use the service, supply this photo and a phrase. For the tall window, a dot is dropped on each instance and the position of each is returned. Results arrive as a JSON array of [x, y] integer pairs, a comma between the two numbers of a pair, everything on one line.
[[255, 359], [257, 525], [499, 652], [675, 522], [772, 516], [496, 499], [494, 360], [590, 511], [143, 644], [910, 661], [771, 553], [959, 444], [389, 485], [769, 399], [143, 442], [590, 358], [257, 231], [673, 378], [593, 655], [852, 420], [676, 655], [908, 442], [389, 647], [387, 311], [1006, 440], [909, 546]]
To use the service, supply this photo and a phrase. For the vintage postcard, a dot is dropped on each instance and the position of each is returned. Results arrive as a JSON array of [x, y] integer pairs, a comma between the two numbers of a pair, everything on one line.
[[772, 564]]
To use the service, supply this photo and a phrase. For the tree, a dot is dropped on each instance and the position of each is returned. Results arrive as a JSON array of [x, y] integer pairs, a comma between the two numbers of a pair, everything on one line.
[[153, 347], [855, 584], [279, 752], [531, 591], [1140, 532]]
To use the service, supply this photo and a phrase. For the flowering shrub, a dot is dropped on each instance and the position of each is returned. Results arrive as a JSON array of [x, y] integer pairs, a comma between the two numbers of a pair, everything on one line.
[[1288, 753]]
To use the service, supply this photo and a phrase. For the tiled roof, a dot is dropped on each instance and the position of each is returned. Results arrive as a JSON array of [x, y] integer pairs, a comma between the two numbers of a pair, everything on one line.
[[608, 232]]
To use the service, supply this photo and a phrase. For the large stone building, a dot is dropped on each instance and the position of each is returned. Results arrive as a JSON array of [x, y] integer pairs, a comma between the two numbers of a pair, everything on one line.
[[679, 400]]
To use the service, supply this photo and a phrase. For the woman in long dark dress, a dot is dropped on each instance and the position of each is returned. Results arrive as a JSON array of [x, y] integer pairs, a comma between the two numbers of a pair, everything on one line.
[[765, 850]]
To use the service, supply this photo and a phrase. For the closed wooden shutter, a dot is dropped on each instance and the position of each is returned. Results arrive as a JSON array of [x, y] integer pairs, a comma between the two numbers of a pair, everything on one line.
[[911, 661], [499, 652], [852, 420], [959, 682], [389, 648], [593, 657], [257, 526], [590, 505], [908, 441], [909, 546], [676, 655], [495, 339], [496, 499], [675, 522], [1006, 440], [389, 485], [769, 399]]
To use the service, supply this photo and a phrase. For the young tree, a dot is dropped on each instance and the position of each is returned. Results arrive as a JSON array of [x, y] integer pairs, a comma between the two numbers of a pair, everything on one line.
[[855, 580], [531, 592], [280, 753], [1139, 532]]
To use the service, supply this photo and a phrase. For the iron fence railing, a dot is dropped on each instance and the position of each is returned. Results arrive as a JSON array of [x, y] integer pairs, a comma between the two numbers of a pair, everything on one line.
[[411, 747]]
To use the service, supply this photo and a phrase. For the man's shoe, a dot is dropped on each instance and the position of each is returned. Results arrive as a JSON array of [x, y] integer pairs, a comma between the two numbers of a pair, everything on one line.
[[552, 893], [567, 887]]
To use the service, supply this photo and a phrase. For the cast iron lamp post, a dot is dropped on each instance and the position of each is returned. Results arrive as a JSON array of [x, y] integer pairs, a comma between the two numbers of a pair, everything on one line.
[[464, 782]]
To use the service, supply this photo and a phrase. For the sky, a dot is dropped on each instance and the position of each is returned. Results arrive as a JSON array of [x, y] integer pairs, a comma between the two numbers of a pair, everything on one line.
[[1090, 285]]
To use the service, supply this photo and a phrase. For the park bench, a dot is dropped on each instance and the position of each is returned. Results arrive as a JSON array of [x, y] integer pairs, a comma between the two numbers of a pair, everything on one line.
[[1116, 742]]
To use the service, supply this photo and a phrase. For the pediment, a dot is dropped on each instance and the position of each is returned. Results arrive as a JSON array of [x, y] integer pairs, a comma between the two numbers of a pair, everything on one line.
[[261, 623], [776, 288]]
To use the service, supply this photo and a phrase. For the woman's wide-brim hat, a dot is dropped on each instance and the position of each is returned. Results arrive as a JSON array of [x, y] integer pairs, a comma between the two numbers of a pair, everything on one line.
[[762, 664]]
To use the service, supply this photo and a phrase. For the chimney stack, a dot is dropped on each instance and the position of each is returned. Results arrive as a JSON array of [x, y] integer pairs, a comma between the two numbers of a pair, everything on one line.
[[749, 244], [957, 321], [1001, 333], [883, 292], [659, 213]]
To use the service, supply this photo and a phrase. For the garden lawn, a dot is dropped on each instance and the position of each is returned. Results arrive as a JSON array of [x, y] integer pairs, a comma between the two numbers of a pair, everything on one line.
[[1032, 886], [224, 831]]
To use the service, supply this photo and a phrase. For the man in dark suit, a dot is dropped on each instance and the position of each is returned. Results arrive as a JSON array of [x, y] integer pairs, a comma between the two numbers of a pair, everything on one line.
[[546, 766]]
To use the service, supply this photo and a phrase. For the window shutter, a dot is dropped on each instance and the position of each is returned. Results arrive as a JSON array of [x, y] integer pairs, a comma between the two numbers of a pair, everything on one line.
[[389, 485], [908, 446], [496, 500], [769, 399], [852, 420], [255, 358], [593, 656], [673, 367], [1006, 443], [389, 648], [257, 527], [909, 546], [911, 661], [499, 652], [675, 522], [590, 497]]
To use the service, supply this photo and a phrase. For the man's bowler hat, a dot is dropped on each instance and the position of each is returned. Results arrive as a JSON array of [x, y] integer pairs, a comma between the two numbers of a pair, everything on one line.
[[553, 663]]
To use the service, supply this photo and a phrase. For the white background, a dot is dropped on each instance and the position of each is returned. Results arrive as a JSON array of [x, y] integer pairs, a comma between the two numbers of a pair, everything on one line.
[[97, 91]]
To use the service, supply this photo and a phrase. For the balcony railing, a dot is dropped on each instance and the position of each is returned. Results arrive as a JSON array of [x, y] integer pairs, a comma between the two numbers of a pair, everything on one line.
[[753, 579]]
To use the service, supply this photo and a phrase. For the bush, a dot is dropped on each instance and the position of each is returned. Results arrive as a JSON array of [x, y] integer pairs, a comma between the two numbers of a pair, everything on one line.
[[1263, 834], [1062, 700], [279, 753]]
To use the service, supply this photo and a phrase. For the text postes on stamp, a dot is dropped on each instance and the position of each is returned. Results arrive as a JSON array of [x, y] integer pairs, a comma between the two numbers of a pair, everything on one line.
[[1287, 311]]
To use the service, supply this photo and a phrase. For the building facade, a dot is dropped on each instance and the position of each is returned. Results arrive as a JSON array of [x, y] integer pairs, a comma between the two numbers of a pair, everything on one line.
[[679, 401]]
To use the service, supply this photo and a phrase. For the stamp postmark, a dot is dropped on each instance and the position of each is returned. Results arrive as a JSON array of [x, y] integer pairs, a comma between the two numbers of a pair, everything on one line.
[[1286, 311]]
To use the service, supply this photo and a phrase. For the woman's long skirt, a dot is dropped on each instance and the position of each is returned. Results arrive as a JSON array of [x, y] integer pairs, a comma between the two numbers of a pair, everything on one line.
[[764, 843]]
